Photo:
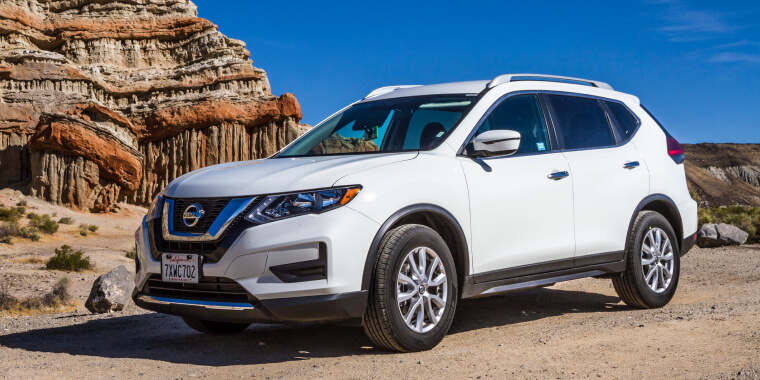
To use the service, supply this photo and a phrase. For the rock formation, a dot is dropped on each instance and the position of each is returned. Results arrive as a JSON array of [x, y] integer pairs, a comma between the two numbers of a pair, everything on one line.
[[724, 174], [106, 101]]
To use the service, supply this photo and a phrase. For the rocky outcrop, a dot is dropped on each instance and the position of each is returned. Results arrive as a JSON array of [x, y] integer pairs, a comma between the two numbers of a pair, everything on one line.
[[724, 174], [106, 101], [718, 235]]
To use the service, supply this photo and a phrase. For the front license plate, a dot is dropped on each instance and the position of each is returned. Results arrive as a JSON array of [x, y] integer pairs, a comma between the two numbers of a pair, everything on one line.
[[180, 268]]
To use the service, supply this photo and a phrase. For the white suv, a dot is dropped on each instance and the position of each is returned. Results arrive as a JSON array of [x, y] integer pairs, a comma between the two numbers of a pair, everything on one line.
[[414, 197]]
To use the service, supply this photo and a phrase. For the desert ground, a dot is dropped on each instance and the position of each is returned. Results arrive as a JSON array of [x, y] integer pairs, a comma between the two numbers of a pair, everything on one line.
[[578, 329]]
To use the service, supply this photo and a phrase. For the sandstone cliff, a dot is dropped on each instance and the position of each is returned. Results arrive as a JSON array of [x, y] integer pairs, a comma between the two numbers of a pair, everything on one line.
[[105, 101], [724, 174]]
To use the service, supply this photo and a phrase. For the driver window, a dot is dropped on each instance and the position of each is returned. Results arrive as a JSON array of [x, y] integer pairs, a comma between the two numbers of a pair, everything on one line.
[[521, 113]]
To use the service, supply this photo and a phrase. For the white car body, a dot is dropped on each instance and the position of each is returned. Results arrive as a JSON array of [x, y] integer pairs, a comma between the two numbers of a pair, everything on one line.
[[514, 224]]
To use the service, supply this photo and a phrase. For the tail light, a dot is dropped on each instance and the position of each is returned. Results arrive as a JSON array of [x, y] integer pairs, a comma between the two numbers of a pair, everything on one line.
[[675, 150]]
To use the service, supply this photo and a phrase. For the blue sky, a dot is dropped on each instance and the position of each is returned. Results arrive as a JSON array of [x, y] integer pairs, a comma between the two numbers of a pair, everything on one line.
[[695, 65]]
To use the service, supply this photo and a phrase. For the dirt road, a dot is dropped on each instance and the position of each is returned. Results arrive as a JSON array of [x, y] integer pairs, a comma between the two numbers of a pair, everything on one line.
[[577, 329]]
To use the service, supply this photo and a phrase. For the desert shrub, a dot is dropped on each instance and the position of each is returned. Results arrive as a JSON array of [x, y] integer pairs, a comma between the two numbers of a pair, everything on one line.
[[66, 220], [7, 301], [67, 259], [746, 218], [55, 214], [59, 296], [21, 203], [10, 214], [21, 210], [131, 254], [49, 226], [92, 227], [31, 233], [10, 230], [32, 215], [44, 223], [7, 231], [83, 232]]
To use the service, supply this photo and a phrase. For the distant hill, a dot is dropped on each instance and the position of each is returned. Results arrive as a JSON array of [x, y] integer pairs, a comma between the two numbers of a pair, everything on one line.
[[724, 174]]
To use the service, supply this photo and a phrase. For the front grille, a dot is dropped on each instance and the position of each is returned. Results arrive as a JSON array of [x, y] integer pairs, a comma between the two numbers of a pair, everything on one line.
[[212, 207], [211, 250], [199, 247], [207, 289]]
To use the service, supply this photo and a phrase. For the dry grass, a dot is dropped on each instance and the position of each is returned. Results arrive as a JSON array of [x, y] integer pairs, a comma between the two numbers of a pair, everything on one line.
[[57, 300], [30, 260]]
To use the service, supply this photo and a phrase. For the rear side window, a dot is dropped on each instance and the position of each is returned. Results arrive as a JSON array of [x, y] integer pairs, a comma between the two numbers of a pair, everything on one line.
[[627, 124], [582, 122], [521, 113]]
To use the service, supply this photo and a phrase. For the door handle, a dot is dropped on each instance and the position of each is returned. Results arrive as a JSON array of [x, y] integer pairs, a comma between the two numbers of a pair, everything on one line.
[[558, 175], [631, 165]]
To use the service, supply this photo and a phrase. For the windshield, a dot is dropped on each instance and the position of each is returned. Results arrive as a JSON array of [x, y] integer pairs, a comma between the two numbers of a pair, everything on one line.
[[393, 125]]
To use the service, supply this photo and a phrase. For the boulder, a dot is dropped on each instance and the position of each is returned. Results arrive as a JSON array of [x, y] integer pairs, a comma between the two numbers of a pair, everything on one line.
[[718, 235], [111, 291]]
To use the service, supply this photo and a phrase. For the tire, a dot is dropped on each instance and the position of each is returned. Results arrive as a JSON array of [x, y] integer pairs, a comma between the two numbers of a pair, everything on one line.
[[394, 278], [632, 286], [213, 327]]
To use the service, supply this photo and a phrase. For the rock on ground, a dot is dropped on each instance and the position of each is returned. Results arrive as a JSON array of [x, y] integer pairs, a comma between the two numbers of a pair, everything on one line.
[[718, 235], [111, 291]]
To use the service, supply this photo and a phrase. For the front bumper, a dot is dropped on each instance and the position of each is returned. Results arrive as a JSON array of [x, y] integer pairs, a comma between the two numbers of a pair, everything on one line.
[[341, 237], [347, 308]]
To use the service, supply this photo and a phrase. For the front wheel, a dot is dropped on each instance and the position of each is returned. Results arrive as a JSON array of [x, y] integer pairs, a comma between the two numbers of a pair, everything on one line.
[[413, 294], [213, 327], [653, 267]]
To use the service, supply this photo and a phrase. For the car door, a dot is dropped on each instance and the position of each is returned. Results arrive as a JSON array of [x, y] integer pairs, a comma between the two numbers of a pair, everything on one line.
[[521, 219], [609, 176]]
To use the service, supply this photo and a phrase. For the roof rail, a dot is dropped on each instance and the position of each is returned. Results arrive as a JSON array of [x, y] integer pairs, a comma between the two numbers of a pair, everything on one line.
[[387, 89], [506, 78]]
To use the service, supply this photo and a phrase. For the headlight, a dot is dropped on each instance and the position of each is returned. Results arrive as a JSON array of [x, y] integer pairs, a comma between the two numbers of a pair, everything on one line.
[[154, 211], [282, 206]]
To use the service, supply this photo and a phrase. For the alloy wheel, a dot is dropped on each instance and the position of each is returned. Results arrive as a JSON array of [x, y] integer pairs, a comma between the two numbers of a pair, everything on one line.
[[657, 260], [421, 289]]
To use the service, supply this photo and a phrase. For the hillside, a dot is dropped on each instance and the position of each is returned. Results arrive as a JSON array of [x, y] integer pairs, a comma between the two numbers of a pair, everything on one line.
[[724, 174]]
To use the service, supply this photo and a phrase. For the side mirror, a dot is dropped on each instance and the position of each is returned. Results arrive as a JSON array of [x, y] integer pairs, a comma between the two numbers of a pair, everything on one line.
[[494, 143]]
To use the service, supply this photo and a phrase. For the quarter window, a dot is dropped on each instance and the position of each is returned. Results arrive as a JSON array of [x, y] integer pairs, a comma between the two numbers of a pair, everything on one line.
[[582, 122], [521, 113], [626, 122]]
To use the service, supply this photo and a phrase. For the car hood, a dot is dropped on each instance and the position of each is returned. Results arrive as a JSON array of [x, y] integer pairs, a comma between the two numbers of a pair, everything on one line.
[[275, 175]]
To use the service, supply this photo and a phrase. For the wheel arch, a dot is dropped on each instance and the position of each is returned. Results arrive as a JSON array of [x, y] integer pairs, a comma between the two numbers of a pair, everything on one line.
[[435, 217], [665, 206]]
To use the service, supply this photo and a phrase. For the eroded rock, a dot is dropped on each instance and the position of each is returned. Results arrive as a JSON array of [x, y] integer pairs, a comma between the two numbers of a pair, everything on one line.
[[109, 102], [111, 291]]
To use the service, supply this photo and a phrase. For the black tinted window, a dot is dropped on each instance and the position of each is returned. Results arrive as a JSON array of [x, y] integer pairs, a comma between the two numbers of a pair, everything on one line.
[[521, 113], [626, 122], [582, 122]]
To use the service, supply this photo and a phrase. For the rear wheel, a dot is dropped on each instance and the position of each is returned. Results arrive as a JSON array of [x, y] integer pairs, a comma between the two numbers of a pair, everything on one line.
[[213, 327], [413, 294], [653, 268]]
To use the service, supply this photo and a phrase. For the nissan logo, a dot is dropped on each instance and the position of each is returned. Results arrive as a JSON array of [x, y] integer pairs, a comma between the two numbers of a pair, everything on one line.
[[192, 214]]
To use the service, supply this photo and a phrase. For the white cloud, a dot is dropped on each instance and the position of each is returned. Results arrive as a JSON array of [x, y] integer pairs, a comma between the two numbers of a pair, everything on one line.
[[734, 57]]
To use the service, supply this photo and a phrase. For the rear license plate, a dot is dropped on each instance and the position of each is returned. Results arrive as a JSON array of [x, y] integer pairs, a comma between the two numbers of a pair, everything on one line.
[[180, 268]]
